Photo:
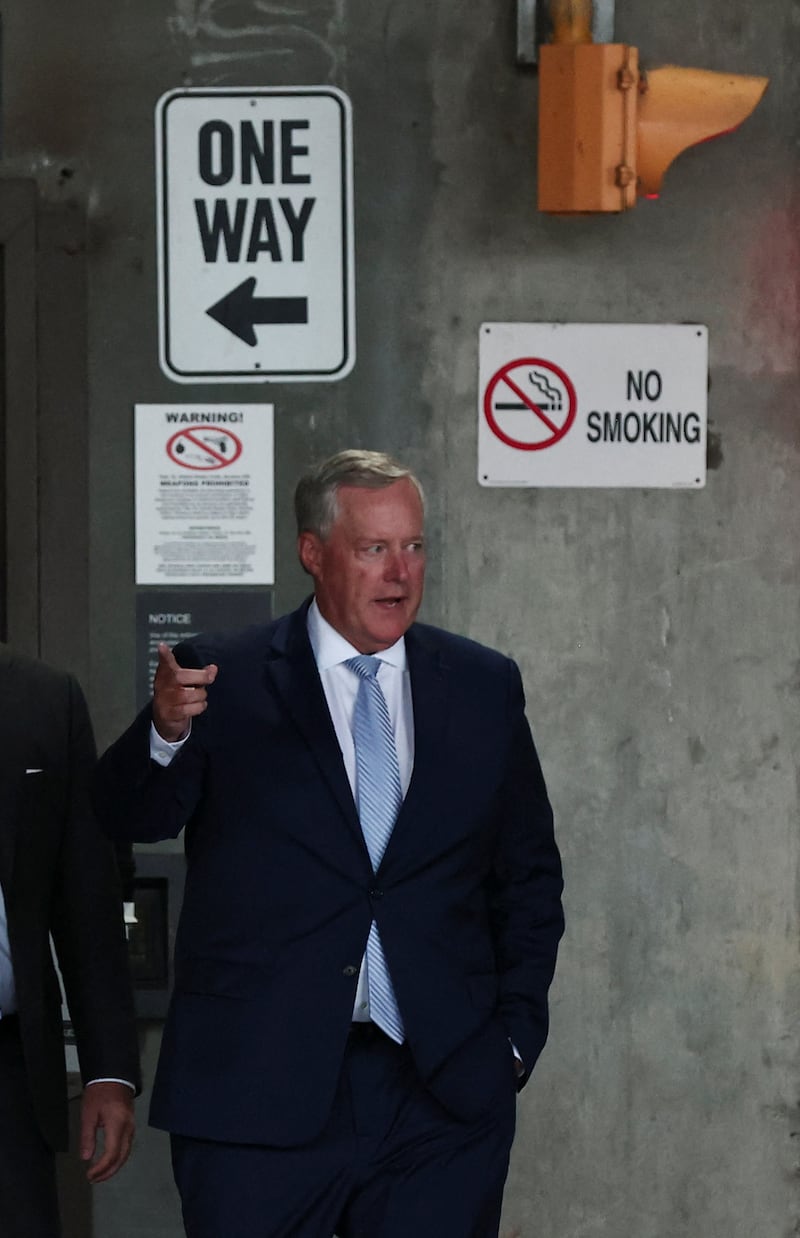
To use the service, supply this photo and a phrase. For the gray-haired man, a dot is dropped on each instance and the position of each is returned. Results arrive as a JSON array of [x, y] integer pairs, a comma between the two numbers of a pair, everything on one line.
[[372, 903]]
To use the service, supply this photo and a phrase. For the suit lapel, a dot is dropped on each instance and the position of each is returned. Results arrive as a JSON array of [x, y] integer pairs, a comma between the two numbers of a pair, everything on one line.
[[11, 773], [430, 707], [9, 821], [293, 673]]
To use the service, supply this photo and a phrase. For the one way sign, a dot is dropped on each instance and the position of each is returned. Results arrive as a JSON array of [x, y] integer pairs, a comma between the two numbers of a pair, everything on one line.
[[255, 234]]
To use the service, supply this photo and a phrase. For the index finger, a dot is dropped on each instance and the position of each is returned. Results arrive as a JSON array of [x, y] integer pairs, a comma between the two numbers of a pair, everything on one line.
[[166, 657], [185, 676]]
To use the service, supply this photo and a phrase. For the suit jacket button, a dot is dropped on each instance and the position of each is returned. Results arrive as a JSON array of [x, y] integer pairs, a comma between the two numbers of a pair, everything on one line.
[[349, 970], [376, 893]]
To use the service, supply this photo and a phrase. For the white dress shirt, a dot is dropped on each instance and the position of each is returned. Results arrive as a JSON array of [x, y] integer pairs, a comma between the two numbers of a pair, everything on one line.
[[8, 992]]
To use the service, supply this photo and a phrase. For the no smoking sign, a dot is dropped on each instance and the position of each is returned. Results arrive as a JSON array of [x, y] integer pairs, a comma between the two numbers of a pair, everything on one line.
[[592, 404], [530, 404]]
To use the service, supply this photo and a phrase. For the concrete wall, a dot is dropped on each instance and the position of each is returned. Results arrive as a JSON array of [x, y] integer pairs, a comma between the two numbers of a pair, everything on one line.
[[657, 631]]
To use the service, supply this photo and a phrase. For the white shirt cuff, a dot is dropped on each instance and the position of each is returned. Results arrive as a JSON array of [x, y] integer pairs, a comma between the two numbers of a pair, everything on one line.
[[161, 750], [126, 1082]]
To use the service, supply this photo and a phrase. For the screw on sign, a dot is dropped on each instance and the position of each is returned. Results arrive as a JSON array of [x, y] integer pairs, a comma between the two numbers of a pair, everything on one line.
[[530, 404], [204, 449]]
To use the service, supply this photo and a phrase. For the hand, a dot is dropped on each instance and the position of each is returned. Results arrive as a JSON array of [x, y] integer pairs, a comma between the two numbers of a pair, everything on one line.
[[106, 1107], [178, 695]]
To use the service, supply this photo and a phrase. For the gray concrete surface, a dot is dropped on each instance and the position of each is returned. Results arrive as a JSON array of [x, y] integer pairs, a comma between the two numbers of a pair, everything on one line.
[[657, 631]]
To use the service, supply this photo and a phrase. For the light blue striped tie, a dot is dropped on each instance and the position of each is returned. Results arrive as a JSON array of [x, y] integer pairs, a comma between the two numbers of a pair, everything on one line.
[[379, 795]]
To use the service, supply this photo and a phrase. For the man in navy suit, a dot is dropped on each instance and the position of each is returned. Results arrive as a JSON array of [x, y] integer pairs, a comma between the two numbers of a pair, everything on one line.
[[349, 1028]]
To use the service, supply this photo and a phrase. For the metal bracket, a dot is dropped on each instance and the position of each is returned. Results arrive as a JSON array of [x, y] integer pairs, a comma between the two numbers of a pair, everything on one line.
[[533, 22], [527, 41]]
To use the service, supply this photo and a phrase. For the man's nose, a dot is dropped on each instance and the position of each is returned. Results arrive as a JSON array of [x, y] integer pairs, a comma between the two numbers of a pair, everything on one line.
[[396, 566]]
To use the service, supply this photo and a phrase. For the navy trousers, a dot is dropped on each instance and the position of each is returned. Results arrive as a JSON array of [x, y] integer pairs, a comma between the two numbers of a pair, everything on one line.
[[391, 1163]]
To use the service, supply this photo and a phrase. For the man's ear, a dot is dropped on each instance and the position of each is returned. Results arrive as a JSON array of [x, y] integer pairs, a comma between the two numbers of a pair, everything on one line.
[[309, 550]]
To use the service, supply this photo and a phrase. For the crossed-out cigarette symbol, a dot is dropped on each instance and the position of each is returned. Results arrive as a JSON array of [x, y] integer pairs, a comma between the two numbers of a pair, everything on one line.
[[541, 388]]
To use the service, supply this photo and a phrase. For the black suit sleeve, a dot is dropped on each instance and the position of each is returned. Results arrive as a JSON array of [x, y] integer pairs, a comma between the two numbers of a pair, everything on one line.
[[525, 890], [86, 918]]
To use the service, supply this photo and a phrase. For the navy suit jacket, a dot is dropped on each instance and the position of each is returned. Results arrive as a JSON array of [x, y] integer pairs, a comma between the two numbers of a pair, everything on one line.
[[280, 892]]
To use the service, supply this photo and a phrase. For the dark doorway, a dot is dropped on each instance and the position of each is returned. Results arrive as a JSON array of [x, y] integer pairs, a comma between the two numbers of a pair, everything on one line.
[[19, 515]]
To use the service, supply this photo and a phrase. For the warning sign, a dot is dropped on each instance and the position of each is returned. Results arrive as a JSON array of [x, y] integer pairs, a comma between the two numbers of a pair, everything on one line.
[[584, 404], [204, 494], [530, 404], [204, 449]]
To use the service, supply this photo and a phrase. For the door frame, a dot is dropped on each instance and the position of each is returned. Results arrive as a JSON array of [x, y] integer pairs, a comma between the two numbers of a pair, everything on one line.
[[20, 585]]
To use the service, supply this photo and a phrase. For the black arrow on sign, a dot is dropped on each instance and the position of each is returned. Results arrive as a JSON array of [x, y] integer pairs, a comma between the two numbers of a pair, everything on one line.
[[239, 310]]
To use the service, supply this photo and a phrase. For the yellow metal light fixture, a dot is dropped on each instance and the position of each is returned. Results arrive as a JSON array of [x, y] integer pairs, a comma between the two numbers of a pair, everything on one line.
[[607, 130]]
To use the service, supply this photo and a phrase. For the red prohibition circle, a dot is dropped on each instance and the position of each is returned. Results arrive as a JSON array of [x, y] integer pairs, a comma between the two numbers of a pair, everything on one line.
[[557, 432], [222, 461]]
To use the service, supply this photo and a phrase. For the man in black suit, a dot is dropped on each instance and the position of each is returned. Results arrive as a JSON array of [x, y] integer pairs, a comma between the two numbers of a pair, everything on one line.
[[57, 877], [372, 904]]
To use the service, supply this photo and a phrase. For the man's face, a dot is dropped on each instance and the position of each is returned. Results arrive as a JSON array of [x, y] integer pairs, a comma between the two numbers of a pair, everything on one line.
[[369, 571]]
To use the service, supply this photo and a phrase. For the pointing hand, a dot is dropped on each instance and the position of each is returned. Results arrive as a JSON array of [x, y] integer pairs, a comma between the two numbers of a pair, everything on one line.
[[179, 694]]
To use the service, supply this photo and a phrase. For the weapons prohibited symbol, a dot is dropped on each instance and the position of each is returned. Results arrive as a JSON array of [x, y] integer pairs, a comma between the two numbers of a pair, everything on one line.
[[204, 448]]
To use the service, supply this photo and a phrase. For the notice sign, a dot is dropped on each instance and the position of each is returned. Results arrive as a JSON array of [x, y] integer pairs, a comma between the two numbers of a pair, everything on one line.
[[173, 615], [582, 404], [255, 234], [204, 494]]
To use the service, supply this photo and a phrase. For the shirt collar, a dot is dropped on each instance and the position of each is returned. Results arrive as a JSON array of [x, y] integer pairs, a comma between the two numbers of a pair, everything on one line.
[[330, 647]]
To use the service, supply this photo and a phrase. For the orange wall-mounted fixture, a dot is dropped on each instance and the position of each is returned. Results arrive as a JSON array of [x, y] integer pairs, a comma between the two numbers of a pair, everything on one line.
[[607, 131]]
